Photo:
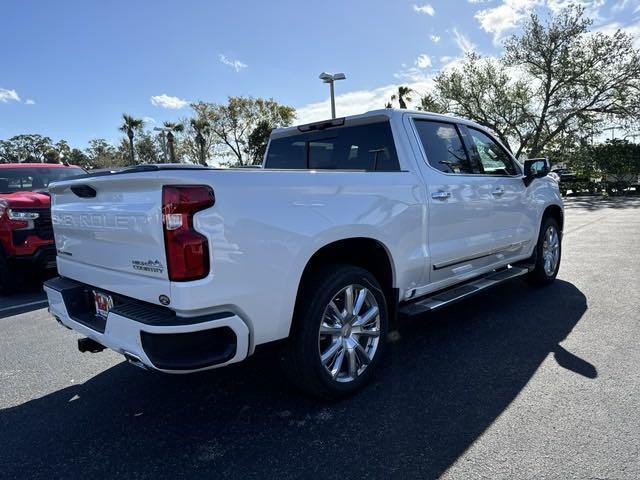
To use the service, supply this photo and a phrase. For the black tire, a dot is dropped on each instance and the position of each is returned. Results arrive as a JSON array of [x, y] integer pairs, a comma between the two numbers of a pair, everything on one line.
[[539, 275], [301, 358]]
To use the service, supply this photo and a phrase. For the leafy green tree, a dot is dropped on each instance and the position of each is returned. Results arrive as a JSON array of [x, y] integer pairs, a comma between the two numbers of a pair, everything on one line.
[[63, 149], [618, 161], [556, 82], [123, 154], [231, 124], [77, 157], [29, 148], [484, 91], [101, 154], [429, 103], [147, 148], [614, 163], [8, 153], [130, 125], [52, 156], [257, 142]]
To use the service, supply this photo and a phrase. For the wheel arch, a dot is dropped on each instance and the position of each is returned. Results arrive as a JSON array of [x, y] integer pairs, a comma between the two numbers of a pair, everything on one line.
[[556, 212], [365, 252]]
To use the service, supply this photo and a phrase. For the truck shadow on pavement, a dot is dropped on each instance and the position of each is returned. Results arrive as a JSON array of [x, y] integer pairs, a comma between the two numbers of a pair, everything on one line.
[[446, 378]]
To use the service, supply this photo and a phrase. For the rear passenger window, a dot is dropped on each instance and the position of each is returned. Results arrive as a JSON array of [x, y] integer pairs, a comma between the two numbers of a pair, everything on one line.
[[361, 147], [287, 152], [444, 148]]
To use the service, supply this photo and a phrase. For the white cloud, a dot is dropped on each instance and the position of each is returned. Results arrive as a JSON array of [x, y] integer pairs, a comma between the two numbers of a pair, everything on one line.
[[621, 5], [416, 72], [360, 101], [7, 96], [426, 9], [411, 74], [434, 38], [592, 7], [506, 16], [237, 65], [29, 101], [149, 120], [423, 61], [463, 42], [167, 101]]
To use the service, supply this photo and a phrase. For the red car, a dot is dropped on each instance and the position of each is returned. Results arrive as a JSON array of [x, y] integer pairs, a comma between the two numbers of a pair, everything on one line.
[[26, 233]]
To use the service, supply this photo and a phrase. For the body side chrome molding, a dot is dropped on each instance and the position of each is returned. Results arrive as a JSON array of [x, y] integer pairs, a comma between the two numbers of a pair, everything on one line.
[[451, 263]]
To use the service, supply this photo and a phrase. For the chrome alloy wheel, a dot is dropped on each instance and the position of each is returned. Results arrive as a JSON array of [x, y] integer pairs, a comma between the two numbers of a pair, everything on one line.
[[551, 250], [349, 333]]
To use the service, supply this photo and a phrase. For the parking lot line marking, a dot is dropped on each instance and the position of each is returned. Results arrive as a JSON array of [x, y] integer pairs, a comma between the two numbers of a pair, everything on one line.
[[23, 305], [580, 227]]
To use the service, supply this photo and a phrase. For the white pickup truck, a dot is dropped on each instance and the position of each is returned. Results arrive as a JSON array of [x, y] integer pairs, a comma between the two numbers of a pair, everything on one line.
[[349, 223]]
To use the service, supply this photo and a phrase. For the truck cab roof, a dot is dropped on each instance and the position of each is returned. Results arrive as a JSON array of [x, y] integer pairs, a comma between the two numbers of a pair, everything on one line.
[[368, 117]]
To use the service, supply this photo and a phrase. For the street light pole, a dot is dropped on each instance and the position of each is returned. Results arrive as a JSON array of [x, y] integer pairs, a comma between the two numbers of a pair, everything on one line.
[[330, 79], [333, 100]]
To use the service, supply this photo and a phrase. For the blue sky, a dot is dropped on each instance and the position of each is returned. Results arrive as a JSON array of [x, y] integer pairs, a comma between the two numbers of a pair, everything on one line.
[[71, 68]]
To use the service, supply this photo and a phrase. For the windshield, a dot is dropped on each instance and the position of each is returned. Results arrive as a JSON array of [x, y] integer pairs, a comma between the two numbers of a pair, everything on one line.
[[33, 179]]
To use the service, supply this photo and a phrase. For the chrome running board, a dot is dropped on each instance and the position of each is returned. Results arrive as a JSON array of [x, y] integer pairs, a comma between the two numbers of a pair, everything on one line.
[[454, 294]]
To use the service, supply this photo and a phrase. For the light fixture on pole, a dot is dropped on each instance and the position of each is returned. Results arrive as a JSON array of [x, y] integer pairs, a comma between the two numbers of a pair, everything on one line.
[[330, 78]]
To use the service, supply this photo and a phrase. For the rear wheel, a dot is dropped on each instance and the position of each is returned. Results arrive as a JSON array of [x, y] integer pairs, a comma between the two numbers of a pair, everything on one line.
[[339, 332], [548, 253]]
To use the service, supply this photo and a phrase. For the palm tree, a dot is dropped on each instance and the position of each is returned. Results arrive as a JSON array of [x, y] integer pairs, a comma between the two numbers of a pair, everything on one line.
[[201, 127], [403, 96], [129, 125], [173, 127]]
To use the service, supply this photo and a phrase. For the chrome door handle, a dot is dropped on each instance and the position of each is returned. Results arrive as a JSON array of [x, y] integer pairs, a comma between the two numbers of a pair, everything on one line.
[[498, 191], [440, 195]]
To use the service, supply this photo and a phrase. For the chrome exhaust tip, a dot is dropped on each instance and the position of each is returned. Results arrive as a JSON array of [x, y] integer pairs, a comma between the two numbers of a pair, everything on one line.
[[134, 360]]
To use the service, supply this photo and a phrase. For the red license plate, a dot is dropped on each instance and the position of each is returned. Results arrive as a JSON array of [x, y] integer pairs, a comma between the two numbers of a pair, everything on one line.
[[103, 303]]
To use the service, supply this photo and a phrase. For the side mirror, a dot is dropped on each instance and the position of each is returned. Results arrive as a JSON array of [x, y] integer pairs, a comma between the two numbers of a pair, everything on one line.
[[535, 168]]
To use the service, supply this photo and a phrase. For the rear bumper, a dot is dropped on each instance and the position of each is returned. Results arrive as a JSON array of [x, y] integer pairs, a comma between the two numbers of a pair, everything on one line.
[[149, 335]]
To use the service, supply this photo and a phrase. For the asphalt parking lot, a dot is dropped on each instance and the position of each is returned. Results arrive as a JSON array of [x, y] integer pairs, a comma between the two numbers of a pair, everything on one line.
[[515, 383]]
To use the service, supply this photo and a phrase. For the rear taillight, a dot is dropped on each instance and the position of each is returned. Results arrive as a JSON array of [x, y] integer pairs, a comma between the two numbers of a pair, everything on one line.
[[187, 250]]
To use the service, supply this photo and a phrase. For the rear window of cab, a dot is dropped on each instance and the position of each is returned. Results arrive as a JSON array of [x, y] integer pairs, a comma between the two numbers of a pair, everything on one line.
[[367, 147]]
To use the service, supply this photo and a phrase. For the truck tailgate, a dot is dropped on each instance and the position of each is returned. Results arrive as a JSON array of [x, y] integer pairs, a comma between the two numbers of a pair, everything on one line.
[[111, 223]]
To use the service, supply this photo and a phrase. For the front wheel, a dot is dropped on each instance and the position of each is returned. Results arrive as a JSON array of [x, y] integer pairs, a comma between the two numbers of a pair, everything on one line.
[[548, 253], [339, 332]]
